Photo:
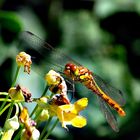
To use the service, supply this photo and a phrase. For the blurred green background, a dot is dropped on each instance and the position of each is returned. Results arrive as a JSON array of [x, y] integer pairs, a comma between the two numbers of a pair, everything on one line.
[[103, 35]]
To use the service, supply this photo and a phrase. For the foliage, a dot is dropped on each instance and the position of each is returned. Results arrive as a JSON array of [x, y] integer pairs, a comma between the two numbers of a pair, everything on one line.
[[101, 35]]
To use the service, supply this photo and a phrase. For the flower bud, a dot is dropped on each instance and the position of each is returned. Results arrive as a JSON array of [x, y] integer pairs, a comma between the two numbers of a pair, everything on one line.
[[15, 94], [44, 115], [11, 125], [33, 135], [42, 102], [52, 77], [20, 94], [24, 59]]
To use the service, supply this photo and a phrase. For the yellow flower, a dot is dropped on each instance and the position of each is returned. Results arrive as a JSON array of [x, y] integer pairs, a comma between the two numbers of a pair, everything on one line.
[[57, 84], [68, 114], [52, 78], [24, 116], [29, 132], [24, 59], [20, 93], [16, 94]]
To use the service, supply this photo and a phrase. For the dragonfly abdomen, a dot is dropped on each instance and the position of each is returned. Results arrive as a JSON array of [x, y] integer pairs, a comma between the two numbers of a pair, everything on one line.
[[90, 84], [112, 103]]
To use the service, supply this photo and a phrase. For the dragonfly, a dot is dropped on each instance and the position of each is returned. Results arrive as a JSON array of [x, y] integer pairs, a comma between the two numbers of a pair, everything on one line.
[[108, 96]]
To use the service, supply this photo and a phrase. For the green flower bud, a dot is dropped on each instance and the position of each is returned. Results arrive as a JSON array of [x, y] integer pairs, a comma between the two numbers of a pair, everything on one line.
[[11, 125], [44, 115]]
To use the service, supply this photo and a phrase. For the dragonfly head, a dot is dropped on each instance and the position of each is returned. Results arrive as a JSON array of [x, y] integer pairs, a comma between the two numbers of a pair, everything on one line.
[[71, 70]]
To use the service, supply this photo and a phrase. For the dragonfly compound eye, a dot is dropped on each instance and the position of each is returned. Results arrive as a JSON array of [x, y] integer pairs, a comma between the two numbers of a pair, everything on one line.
[[67, 66], [70, 66]]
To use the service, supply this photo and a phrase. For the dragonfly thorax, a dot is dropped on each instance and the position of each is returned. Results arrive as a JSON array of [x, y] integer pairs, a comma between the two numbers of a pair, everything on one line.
[[77, 73]]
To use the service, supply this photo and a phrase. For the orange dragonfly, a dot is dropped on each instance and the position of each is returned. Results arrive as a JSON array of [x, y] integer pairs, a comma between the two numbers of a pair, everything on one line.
[[58, 61]]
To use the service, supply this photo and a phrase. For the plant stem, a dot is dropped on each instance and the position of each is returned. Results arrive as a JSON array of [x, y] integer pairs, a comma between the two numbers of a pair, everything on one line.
[[20, 105], [16, 75], [38, 113], [17, 109], [46, 89], [4, 102], [3, 99], [10, 111], [45, 128], [4, 108], [33, 111], [51, 95], [18, 134], [13, 83], [50, 130], [44, 92], [3, 93]]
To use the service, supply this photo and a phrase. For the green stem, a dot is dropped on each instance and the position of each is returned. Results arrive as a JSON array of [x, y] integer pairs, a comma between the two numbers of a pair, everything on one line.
[[17, 109], [46, 89], [16, 75], [19, 130], [13, 83], [20, 105], [10, 111], [45, 128], [33, 111], [3, 93], [44, 92], [18, 134], [38, 113], [21, 127], [3, 104], [50, 130], [4, 108], [3, 99], [51, 95], [9, 100]]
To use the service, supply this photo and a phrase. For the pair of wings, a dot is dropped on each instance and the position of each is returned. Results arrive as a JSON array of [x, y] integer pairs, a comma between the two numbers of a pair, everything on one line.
[[56, 60]]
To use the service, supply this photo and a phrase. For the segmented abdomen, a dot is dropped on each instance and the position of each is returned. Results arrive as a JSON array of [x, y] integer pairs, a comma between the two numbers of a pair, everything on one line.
[[90, 84]]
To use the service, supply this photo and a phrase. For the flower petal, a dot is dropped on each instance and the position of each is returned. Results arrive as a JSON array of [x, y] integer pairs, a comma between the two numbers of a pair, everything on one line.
[[79, 121], [81, 104], [24, 116]]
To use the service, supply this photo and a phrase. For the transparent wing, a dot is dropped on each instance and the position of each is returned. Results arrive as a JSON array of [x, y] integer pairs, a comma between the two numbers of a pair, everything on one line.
[[71, 87], [108, 114], [44, 52], [47, 56], [112, 92], [54, 59]]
